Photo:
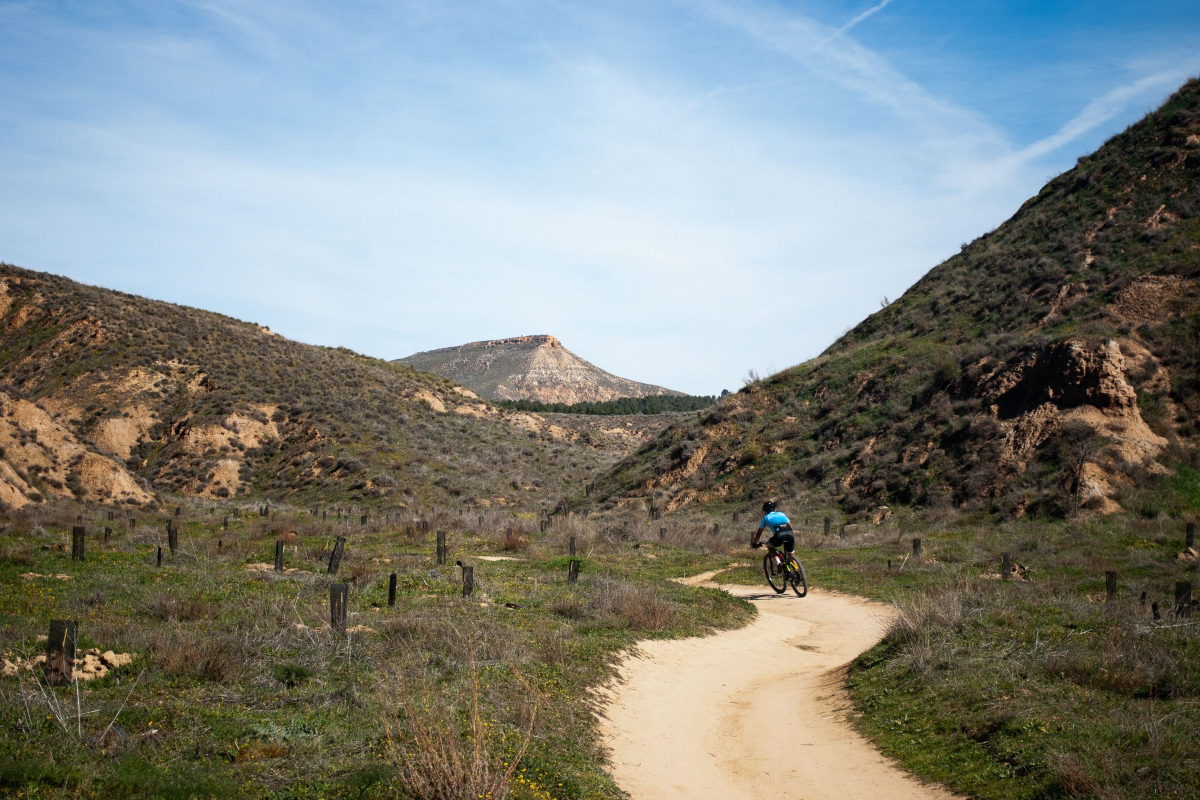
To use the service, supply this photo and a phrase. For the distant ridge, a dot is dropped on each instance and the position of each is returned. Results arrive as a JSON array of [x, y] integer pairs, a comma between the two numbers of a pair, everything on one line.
[[528, 368]]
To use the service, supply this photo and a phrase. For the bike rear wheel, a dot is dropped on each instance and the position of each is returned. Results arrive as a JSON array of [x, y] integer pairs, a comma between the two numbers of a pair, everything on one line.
[[797, 577], [776, 576]]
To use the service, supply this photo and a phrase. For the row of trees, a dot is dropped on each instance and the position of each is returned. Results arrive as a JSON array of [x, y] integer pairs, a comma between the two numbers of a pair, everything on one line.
[[654, 404]]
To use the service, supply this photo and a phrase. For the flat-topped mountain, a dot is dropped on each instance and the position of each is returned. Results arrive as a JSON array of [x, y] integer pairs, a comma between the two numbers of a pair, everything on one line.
[[528, 368]]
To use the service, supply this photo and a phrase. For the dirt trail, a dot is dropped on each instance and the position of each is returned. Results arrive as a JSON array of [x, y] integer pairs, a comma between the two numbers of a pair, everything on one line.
[[753, 713]]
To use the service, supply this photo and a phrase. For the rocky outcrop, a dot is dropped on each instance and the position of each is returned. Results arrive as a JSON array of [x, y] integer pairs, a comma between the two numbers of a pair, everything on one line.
[[528, 368]]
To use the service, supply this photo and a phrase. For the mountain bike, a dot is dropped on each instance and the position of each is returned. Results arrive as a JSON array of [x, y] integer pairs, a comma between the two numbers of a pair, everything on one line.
[[782, 570]]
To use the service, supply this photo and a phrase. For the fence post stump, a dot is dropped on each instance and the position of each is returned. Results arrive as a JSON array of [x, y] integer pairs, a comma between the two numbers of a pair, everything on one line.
[[60, 651], [481, 520], [441, 548], [573, 571], [77, 534], [160, 555], [339, 594], [736, 517], [112, 515], [225, 522], [1110, 585], [1154, 610], [916, 544], [571, 546], [828, 524], [662, 534], [1006, 565], [1189, 538], [335, 558], [172, 538], [716, 529], [363, 521], [391, 590], [1183, 598], [468, 578], [132, 523], [279, 555]]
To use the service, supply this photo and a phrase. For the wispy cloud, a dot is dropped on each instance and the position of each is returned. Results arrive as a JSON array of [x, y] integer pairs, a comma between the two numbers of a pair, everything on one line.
[[875, 9]]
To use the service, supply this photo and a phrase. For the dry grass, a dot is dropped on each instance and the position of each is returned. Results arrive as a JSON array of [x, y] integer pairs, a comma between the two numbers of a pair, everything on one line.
[[441, 752]]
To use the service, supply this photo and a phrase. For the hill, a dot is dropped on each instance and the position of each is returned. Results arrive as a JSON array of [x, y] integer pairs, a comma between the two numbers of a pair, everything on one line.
[[112, 398], [1052, 363], [529, 368]]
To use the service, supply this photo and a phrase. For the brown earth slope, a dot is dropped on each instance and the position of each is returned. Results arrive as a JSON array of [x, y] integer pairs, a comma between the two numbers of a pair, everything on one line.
[[528, 368], [1053, 363], [111, 397]]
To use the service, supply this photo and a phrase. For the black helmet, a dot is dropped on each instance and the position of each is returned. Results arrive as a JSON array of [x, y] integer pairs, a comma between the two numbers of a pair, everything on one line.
[[768, 506]]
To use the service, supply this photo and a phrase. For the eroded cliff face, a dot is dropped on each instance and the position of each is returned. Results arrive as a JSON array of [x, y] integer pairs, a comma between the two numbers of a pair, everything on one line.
[[528, 368]]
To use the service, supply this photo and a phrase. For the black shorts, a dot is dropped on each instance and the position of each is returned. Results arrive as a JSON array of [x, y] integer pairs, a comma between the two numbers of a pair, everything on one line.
[[784, 538]]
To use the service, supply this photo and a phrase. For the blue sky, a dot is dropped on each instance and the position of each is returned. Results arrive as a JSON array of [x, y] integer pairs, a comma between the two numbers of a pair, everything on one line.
[[679, 190]]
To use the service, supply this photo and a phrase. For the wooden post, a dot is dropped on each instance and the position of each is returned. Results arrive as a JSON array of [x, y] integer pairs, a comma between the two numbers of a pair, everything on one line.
[[573, 571], [1154, 610], [587, 490], [1183, 598], [237, 513], [662, 534], [441, 548], [736, 517], [60, 651], [339, 594], [160, 555], [468, 579], [828, 523], [571, 546], [132, 523], [107, 532], [335, 558], [842, 531], [225, 522], [363, 521], [1006, 565], [324, 514], [112, 515], [220, 544], [1189, 538], [716, 529], [172, 538], [392, 590], [916, 547], [1110, 585], [279, 555], [77, 534], [481, 520]]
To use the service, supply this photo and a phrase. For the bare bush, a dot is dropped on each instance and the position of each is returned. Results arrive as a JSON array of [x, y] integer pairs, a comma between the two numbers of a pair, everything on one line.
[[435, 759]]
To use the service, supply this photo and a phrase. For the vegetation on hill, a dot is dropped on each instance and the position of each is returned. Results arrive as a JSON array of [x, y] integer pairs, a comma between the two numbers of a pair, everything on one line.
[[654, 404], [1053, 364], [197, 403]]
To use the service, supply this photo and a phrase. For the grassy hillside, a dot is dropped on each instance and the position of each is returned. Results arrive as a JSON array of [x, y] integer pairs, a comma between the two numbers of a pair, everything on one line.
[[1053, 363], [196, 403]]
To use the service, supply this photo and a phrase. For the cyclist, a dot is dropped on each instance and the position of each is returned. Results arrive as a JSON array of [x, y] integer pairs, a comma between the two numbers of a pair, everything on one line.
[[781, 529]]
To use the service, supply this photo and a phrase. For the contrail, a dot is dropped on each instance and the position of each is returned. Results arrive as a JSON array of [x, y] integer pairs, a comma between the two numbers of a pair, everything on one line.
[[862, 16]]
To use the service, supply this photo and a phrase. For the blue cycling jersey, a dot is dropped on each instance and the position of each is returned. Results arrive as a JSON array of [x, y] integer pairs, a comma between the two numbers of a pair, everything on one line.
[[776, 521]]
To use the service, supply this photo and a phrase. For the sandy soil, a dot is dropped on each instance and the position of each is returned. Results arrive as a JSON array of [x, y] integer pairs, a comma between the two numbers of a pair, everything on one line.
[[753, 713]]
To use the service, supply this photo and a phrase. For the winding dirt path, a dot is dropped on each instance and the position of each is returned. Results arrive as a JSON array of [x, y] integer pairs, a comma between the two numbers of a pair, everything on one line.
[[757, 712]]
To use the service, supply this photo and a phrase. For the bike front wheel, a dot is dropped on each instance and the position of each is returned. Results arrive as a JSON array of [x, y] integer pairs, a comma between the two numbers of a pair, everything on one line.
[[776, 576], [797, 577]]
